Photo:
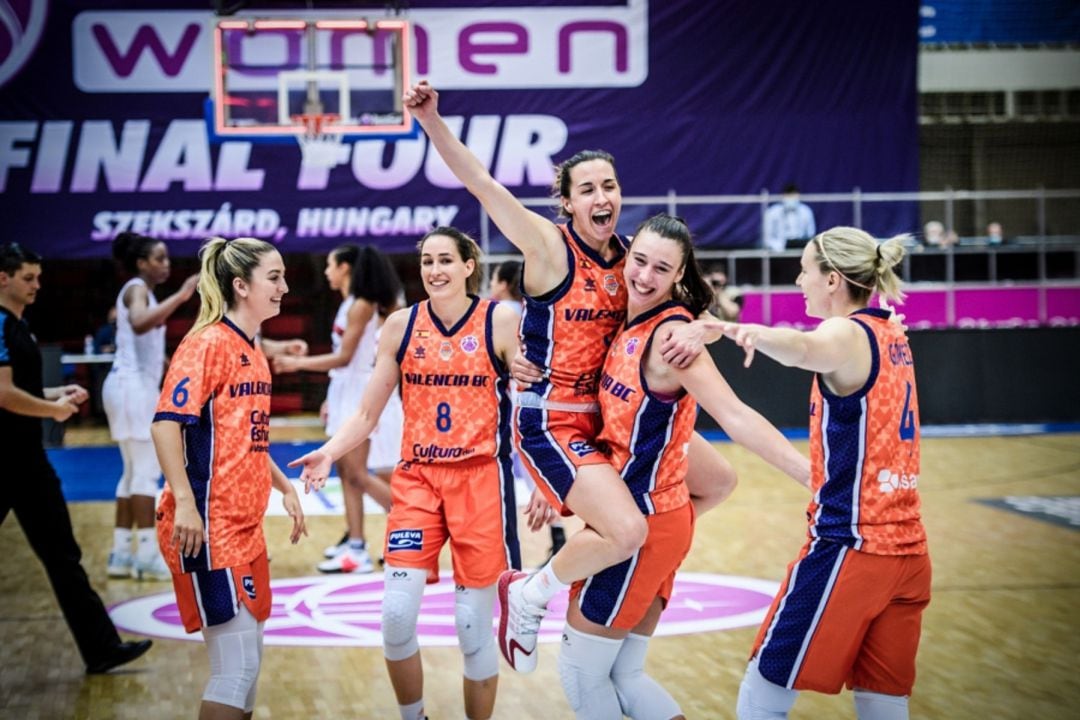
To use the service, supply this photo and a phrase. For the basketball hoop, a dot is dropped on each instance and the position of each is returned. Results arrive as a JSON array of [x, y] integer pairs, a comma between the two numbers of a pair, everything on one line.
[[319, 147]]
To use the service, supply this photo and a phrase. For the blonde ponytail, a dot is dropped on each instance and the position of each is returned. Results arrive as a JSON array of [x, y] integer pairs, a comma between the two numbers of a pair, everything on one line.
[[862, 262], [221, 261]]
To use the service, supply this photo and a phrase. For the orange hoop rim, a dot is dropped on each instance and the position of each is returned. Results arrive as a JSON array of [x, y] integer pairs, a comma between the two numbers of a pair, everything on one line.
[[314, 122]]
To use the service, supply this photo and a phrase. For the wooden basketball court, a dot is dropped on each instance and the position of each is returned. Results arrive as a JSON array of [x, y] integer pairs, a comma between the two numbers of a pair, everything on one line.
[[1001, 637]]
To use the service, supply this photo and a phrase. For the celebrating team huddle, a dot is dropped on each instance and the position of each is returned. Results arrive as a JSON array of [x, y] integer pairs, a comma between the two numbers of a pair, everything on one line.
[[597, 385]]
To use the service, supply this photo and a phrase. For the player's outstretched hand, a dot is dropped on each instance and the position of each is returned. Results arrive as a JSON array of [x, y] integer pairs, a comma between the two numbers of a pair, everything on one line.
[[744, 334], [316, 469]]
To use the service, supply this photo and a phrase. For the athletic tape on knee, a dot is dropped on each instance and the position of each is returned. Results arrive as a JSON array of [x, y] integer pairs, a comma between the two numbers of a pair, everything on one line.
[[760, 699], [585, 672], [473, 611], [404, 588], [233, 648], [640, 696], [877, 706]]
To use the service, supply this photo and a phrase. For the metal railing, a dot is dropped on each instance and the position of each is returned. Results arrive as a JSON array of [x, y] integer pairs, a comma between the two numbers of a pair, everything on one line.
[[1035, 260]]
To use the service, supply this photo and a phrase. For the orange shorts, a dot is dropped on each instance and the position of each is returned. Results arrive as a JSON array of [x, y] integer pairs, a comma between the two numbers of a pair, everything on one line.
[[469, 503], [844, 617], [553, 444], [621, 595], [213, 597]]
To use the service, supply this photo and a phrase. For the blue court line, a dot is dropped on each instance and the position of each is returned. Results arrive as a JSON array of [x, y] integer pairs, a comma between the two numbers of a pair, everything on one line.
[[91, 473]]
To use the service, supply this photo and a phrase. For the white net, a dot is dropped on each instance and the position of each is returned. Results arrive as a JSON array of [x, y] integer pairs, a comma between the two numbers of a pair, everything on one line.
[[319, 147]]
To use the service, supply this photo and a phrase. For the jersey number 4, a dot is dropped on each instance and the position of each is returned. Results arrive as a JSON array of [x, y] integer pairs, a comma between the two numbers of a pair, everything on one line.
[[907, 418]]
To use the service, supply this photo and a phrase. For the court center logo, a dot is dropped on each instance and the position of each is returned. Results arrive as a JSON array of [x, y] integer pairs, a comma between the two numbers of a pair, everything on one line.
[[342, 611], [21, 25]]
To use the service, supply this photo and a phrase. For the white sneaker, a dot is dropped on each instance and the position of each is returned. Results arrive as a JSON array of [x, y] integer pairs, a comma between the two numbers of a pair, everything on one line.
[[349, 561], [332, 551], [152, 569], [120, 564], [519, 623]]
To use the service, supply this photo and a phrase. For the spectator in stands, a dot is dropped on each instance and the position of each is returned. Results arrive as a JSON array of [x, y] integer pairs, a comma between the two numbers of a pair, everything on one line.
[[727, 303], [105, 336], [789, 222], [935, 236], [994, 234]]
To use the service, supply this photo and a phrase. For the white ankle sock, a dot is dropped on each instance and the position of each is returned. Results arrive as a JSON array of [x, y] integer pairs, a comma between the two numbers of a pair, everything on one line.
[[121, 540], [147, 543], [542, 586], [412, 711]]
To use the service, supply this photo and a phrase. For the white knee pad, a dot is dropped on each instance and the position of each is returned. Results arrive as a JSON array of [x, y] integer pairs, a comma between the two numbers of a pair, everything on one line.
[[585, 663], [123, 486], [473, 611], [640, 697], [760, 699], [404, 588], [876, 706], [145, 471], [235, 657]]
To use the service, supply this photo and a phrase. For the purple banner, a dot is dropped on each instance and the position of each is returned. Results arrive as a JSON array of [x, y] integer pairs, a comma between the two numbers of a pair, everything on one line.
[[103, 127], [1054, 305]]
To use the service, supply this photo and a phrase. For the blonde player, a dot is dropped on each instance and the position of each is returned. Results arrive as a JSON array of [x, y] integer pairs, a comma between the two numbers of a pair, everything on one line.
[[212, 435], [850, 610]]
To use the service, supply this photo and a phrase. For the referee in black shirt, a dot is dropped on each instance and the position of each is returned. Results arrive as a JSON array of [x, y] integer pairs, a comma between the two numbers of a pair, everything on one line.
[[31, 487]]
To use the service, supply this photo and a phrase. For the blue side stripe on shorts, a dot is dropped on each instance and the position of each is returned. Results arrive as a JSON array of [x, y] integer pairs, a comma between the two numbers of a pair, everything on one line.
[[604, 592], [555, 469], [796, 618], [216, 595]]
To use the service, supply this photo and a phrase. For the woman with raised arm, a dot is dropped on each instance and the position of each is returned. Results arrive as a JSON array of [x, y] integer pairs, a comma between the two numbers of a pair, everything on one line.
[[850, 610], [454, 483], [369, 289], [649, 408], [212, 435], [575, 300], [129, 395]]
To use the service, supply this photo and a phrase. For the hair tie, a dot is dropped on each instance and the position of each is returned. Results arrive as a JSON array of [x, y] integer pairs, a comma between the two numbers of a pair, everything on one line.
[[821, 245], [877, 250]]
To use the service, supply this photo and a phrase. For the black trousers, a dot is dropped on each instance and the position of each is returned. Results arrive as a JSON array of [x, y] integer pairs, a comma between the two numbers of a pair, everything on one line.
[[32, 490]]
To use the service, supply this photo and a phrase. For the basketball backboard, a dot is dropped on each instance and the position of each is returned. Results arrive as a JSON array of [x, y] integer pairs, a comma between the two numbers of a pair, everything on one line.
[[272, 76]]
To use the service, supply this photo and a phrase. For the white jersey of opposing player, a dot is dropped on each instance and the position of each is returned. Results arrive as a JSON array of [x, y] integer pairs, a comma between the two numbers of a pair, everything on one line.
[[138, 354], [363, 359]]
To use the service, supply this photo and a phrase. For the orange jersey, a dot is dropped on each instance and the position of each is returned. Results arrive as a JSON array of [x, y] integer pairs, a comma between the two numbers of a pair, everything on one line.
[[454, 390], [218, 389], [647, 436], [567, 331], [864, 451]]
